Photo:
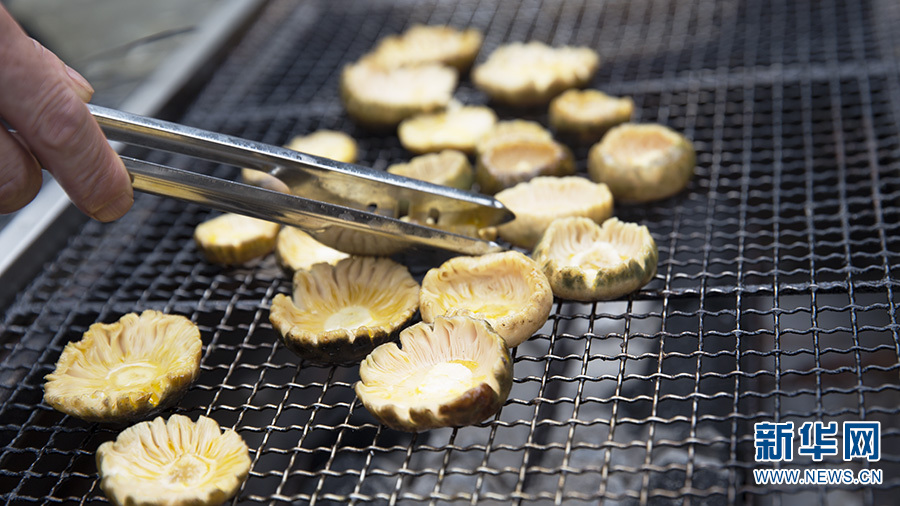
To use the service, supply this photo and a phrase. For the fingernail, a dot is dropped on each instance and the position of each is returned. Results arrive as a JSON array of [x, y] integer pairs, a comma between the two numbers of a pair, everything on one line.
[[115, 208], [84, 89]]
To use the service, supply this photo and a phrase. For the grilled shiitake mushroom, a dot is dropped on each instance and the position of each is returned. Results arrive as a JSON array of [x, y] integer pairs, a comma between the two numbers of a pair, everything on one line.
[[531, 73], [126, 370], [454, 372], [457, 128], [422, 44], [326, 143], [235, 239], [173, 462], [588, 262], [295, 250], [642, 162], [447, 168], [588, 114], [508, 289], [381, 97], [339, 313], [538, 202]]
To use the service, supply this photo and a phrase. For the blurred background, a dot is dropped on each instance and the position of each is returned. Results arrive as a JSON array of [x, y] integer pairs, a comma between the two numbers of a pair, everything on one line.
[[116, 45]]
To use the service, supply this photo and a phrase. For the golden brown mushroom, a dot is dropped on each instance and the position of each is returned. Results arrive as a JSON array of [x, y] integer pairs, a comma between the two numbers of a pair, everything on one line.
[[295, 250], [339, 313], [447, 168], [173, 462], [326, 143], [515, 129], [532, 73], [457, 128], [505, 163], [588, 114], [454, 372], [588, 262], [538, 202], [642, 162], [126, 370], [382, 97], [422, 44], [508, 289], [235, 239]]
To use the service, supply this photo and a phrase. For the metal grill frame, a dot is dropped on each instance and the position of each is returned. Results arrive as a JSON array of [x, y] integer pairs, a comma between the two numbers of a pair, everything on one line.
[[775, 298]]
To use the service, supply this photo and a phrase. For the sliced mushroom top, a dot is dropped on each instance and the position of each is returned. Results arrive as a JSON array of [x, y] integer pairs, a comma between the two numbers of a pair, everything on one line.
[[234, 238], [422, 44], [173, 462], [383, 97], [456, 371], [642, 162], [297, 250], [447, 168], [508, 289], [536, 203], [587, 261], [457, 128], [127, 369], [340, 312], [533, 72], [327, 143]]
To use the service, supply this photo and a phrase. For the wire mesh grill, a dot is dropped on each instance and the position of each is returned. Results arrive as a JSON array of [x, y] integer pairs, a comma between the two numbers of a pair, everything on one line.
[[775, 298]]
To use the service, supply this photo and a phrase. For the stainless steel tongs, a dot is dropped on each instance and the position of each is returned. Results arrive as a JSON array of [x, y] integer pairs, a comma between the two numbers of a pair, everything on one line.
[[328, 199]]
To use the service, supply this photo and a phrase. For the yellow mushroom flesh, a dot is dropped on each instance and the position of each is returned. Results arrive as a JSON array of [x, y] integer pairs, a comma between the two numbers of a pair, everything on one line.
[[456, 371], [127, 369], [509, 290]]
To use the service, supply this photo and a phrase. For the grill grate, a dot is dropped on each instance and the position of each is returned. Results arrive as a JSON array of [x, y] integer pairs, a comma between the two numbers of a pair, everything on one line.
[[775, 299]]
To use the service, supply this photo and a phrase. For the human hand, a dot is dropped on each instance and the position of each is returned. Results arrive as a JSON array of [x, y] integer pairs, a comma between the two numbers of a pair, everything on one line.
[[43, 100]]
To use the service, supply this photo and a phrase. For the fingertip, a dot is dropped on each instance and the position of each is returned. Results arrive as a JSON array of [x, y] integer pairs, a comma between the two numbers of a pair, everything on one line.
[[115, 208], [117, 194], [82, 87]]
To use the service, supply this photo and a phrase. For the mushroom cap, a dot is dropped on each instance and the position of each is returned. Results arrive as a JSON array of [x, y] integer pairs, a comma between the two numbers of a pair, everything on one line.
[[357, 242], [331, 144], [507, 289], [339, 313], [587, 262], [381, 97], [234, 239], [126, 370], [454, 372], [263, 179], [173, 462], [295, 250], [447, 168], [642, 162], [506, 162], [422, 44], [515, 129], [532, 73], [588, 113], [538, 202], [456, 128]]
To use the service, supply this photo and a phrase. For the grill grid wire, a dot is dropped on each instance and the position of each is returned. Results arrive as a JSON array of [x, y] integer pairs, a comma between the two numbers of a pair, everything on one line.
[[775, 298]]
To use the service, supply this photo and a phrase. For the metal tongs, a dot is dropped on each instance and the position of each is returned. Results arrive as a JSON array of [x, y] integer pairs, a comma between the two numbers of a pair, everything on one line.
[[329, 199]]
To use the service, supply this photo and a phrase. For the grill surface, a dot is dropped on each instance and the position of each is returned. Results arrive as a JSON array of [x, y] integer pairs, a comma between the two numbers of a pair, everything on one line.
[[775, 299]]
